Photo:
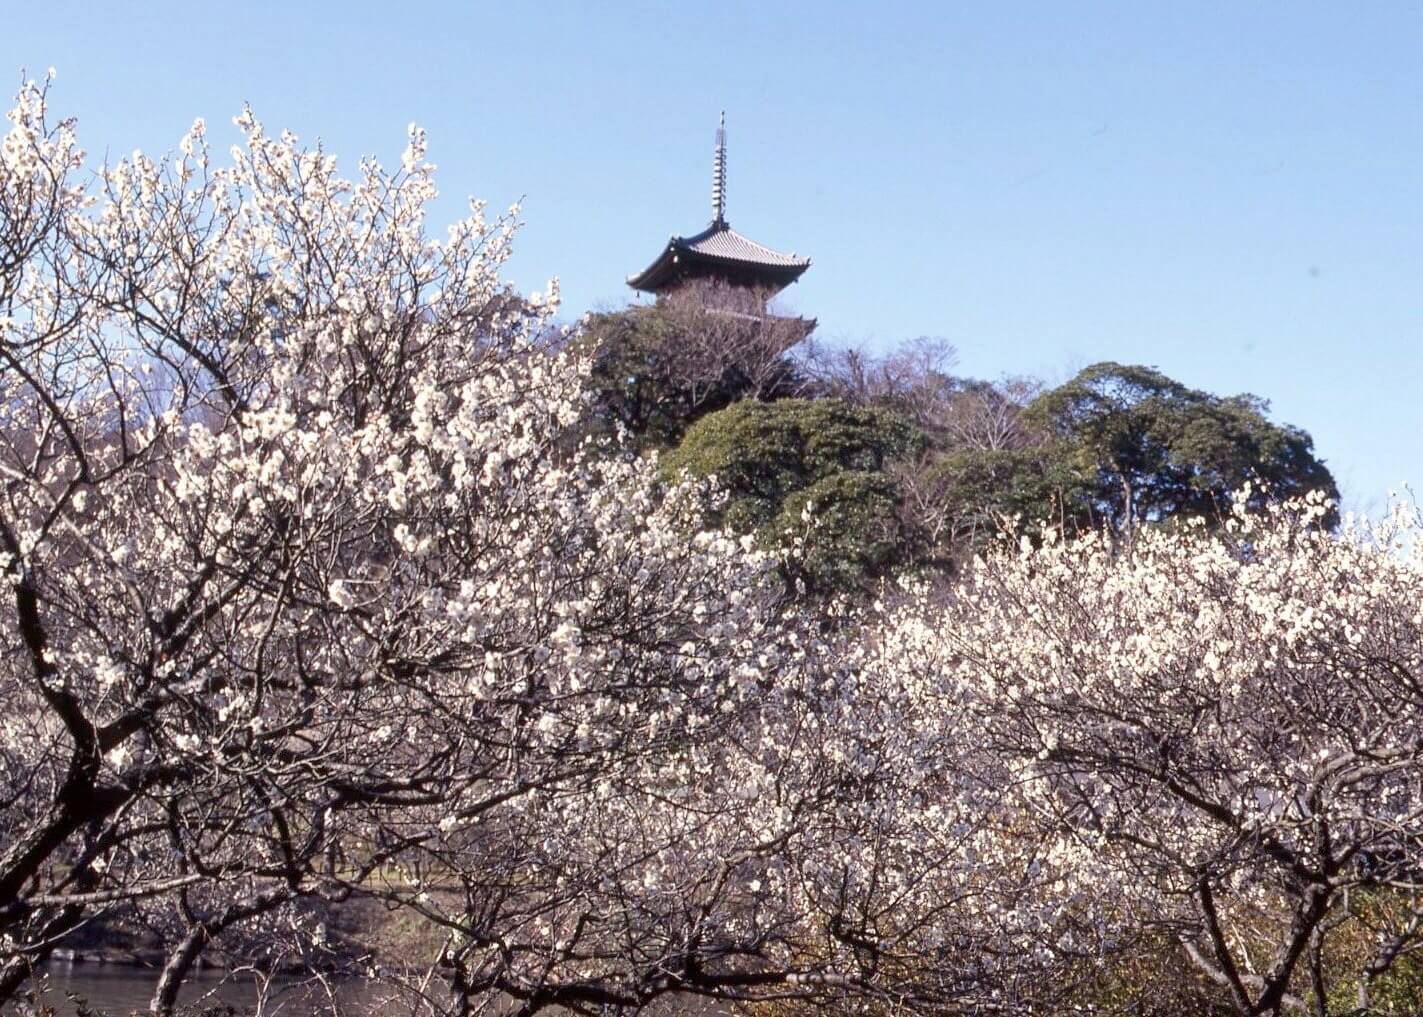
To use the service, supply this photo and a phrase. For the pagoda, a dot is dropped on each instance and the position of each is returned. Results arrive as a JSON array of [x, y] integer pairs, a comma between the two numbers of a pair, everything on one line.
[[718, 259]]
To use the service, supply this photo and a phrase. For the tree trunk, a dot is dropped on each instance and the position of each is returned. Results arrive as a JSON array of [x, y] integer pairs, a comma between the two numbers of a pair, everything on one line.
[[175, 970]]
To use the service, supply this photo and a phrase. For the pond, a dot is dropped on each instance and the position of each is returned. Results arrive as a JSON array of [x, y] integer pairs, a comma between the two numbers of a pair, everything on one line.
[[112, 990], [117, 990]]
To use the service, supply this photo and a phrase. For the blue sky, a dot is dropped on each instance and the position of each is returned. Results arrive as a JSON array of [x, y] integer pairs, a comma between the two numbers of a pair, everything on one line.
[[1230, 192]]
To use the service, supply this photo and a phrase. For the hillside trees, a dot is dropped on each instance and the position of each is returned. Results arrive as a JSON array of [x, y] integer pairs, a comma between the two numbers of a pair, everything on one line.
[[1117, 445], [1156, 450]]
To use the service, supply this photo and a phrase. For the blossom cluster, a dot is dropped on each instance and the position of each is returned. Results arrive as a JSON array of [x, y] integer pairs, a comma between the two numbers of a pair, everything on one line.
[[1219, 736]]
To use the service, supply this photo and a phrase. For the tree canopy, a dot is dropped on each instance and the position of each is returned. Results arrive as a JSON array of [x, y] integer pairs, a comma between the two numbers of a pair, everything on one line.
[[1118, 446], [808, 472], [1154, 450]]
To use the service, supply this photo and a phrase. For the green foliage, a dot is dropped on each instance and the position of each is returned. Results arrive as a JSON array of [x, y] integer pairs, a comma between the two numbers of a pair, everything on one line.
[[1150, 977], [981, 492], [630, 384], [1157, 450], [857, 534], [775, 460], [1118, 445], [1373, 916]]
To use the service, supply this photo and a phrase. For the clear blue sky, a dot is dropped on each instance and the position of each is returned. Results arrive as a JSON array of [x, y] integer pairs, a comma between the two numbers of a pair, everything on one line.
[[1232, 192]]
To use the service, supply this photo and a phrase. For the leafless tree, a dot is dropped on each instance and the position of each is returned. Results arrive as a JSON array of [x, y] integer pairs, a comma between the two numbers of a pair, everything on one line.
[[696, 350]]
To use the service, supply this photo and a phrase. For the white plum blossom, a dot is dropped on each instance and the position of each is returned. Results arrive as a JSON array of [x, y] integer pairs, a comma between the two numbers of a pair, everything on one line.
[[306, 553], [1219, 738]]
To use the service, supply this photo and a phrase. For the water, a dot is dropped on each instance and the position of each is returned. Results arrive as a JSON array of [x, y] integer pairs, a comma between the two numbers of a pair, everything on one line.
[[116, 991]]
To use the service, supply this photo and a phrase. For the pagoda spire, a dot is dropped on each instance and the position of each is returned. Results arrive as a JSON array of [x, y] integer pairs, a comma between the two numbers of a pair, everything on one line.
[[719, 176], [718, 253]]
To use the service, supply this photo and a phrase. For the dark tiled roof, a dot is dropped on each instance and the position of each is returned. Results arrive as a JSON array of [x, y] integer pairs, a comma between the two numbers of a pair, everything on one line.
[[719, 244]]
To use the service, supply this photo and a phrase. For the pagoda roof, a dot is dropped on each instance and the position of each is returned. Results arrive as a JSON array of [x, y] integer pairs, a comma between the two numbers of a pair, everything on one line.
[[719, 251], [719, 248]]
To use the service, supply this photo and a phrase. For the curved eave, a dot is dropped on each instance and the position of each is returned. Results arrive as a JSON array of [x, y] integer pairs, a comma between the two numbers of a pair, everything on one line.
[[654, 275], [677, 257]]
